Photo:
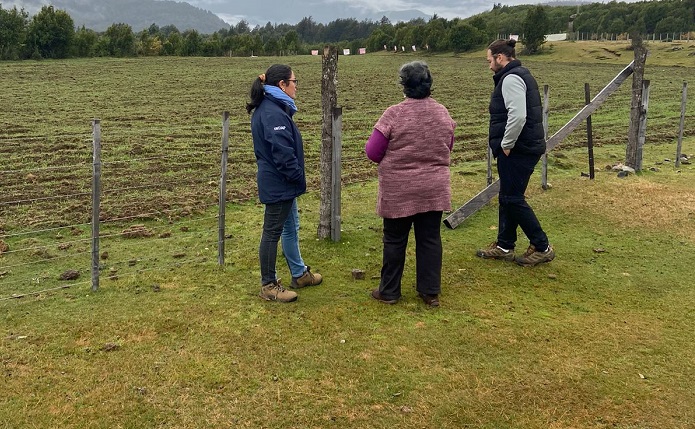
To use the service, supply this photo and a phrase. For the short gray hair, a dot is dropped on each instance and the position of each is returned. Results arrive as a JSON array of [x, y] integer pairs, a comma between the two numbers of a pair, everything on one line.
[[416, 79]]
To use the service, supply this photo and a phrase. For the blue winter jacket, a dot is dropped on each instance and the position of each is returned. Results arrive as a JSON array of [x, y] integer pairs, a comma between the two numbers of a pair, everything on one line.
[[279, 152]]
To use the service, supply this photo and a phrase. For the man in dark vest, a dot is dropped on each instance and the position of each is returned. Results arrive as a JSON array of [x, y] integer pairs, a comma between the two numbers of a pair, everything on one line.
[[517, 140]]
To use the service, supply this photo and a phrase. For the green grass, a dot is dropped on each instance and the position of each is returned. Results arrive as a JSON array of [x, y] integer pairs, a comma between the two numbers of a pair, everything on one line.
[[601, 337], [161, 120], [589, 340]]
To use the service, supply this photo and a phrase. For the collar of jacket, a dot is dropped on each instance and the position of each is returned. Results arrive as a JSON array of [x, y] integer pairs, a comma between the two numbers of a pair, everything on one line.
[[498, 76], [287, 109], [280, 96]]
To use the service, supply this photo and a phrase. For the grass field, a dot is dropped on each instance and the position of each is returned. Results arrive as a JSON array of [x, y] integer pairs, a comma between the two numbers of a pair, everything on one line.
[[164, 125], [600, 338]]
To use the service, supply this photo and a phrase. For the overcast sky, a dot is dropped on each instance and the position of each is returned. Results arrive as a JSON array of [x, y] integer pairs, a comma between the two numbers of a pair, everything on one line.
[[257, 12], [292, 11]]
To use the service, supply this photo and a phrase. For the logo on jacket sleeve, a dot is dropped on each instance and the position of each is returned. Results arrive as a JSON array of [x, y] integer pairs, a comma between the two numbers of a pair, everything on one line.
[[279, 128]]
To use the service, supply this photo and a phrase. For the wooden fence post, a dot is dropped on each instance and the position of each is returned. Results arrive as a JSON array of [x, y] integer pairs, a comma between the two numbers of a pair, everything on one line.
[[684, 98], [329, 99], [336, 190], [632, 149], [589, 133], [223, 189], [96, 200], [544, 158], [642, 132]]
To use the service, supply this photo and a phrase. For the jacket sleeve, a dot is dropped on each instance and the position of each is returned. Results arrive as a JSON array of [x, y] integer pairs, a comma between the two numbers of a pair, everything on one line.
[[376, 146], [279, 133], [514, 93]]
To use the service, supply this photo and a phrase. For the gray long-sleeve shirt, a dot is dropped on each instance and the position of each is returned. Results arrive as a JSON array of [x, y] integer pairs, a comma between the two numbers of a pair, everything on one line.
[[514, 94]]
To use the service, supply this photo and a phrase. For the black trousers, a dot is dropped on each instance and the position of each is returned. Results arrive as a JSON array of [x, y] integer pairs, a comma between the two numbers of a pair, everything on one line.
[[428, 253], [515, 171], [273, 221]]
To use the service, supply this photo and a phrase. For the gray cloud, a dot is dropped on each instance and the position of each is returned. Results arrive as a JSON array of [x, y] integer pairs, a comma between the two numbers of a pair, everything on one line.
[[292, 11]]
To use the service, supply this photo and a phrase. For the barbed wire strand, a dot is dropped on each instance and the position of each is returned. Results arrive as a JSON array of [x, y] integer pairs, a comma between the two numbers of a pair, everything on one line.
[[26, 249], [155, 185], [177, 261], [20, 139], [148, 215], [24, 264], [74, 226], [33, 280], [155, 228], [105, 276], [166, 267], [212, 164], [40, 169], [34, 200], [211, 244], [106, 163], [17, 234], [19, 296]]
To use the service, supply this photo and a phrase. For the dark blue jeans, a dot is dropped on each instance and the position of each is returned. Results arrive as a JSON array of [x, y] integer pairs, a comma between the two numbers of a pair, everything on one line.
[[280, 219], [515, 171], [428, 253]]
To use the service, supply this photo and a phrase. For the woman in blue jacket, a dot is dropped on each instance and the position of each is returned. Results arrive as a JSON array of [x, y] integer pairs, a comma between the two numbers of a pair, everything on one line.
[[279, 151]]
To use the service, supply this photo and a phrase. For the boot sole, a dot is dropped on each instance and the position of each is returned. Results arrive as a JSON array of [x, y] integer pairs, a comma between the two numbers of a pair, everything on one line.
[[532, 264], [430, 302], [384, 301], [499, 258], [278, 300], [303, 286]]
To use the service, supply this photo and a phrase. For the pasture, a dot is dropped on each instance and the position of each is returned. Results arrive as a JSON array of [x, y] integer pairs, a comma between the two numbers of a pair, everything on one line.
[[601, 337], [155, 109]]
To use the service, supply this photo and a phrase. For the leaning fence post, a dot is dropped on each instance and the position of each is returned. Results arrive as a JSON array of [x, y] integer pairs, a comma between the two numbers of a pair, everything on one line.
[[223, 188], [589, 134], [337, 124], [544, 165], [684, 98], [96, 200]]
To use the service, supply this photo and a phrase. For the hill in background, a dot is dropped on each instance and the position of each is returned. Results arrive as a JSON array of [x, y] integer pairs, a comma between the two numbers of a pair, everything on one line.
[[98, 15]]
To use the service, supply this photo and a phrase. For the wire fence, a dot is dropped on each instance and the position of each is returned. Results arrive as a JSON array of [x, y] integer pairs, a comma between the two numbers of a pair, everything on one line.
[[147, 201], [151, 196], [58, 224]]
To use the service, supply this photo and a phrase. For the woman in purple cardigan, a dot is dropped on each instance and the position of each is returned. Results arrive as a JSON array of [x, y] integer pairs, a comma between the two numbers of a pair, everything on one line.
[[412, 143]]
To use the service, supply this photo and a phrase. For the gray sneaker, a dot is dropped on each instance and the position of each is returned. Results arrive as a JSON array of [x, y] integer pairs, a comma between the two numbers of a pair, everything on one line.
[[533, 257], [493, 251], [274, 291]]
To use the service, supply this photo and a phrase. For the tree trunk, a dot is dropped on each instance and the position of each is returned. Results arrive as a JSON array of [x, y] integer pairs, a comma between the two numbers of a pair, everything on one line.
[[632, 151], [329, 100]]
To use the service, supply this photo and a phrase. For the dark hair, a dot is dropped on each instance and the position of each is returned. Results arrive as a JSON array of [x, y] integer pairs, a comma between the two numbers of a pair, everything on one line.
[[416, 79], [273, 76], [504, 47]]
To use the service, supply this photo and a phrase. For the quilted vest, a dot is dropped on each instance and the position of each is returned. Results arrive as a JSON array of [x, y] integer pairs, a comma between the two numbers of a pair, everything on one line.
[[532, 137]]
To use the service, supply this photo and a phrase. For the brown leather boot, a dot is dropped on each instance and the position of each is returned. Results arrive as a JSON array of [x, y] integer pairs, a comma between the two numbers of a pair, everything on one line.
[[274, 291], [306, 279]]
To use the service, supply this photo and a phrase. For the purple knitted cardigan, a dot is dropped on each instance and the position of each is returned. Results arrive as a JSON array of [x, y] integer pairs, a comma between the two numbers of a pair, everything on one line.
[[414, 171]]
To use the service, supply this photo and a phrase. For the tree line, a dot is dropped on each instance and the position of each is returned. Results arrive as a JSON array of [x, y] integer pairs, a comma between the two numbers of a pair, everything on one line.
[[51, 33]]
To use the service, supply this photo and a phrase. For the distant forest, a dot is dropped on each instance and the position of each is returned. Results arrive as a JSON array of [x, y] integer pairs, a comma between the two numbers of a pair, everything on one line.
[[51, 33]]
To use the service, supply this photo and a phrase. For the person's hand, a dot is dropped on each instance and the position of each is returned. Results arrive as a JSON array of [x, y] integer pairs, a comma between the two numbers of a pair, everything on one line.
[[506, 151]]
